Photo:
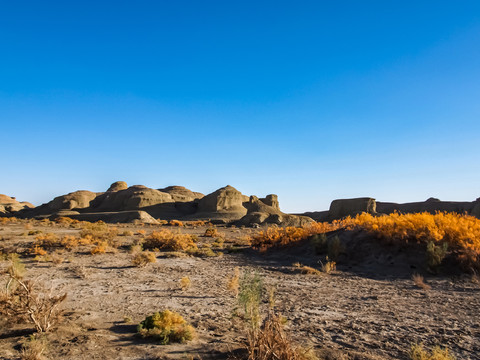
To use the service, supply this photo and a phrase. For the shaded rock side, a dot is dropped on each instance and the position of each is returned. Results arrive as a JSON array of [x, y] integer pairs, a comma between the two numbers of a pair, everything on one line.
[[431, 205], [258, 212], [345, 207], [181, 194]]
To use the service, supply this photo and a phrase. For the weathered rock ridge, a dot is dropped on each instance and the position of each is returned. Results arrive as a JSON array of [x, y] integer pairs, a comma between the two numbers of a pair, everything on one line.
[[121, 203]]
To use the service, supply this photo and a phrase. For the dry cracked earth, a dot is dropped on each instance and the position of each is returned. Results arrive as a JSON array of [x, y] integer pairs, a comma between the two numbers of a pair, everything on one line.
[[368, 309]]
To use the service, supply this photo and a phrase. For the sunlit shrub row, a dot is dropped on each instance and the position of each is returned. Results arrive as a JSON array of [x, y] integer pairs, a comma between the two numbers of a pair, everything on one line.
[[460, 232]]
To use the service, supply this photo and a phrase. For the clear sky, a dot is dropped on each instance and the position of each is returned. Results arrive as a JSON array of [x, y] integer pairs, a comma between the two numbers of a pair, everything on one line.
[[311, 100]]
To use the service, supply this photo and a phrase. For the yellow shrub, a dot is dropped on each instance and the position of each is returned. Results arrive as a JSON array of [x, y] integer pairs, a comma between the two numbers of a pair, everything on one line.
[[166, 326], [143, 258], [175, 223], [167, 240]]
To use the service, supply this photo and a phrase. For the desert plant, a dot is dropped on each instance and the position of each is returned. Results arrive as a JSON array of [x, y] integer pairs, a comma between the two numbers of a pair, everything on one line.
[[233, 284], [271, 342], [185, 283], [319, 243], [419, 282], [335, 248], [211, 232], [307, 270], [143, 258], [169, 241], [250, 296], [329, 266], [34, 348], [435, 255], [417, 352], [167, 327], [24, 299], [175, 223]]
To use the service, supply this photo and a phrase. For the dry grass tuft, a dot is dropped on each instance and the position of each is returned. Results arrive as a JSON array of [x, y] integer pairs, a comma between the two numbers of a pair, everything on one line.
[[419, 282], [233, 284], [34, 348], [270, 342]]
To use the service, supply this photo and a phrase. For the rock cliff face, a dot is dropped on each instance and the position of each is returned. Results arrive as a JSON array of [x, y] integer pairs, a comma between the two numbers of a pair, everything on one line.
[[344, 207]]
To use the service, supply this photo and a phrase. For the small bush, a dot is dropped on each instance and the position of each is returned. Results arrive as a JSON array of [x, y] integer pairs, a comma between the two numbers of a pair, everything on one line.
[[250, 296], [166, 327], [435, 255], [185, 283], [142, 259], [211, 232], [167, 240], [26, 300], [417, 352], [175, 223]]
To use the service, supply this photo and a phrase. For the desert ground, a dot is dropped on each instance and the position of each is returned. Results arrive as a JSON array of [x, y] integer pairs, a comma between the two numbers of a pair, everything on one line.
[[367, 308]]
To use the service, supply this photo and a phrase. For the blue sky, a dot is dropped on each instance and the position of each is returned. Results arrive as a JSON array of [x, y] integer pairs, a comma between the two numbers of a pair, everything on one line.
[[311, 100]]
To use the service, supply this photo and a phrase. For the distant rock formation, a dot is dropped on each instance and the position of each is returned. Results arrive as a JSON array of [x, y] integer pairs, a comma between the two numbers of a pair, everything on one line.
[[181, 194], [133, 198], [118, 185], [75, 200], [259, 211], [344, 207], [351, 207], [9, 205], [121, 203]]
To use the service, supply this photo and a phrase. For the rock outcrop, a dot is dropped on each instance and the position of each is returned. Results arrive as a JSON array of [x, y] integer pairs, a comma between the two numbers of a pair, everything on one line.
[[181, 194], [117, 186], [76, 200], [133, 198], [345, 207], [10, 205], [261, 213], [223, 205]]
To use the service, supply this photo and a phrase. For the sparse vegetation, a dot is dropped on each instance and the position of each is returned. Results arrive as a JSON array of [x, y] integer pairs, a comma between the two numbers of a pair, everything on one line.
[[418, 352], [34, 348], [169, 241], [419, 282], [185, 283], [26, 300], [233, 282], [143, 258], [166, 327]]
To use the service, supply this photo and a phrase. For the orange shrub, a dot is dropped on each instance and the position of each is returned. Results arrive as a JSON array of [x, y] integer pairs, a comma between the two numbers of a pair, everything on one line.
[[460, 232], [175, 223], [167, 240]]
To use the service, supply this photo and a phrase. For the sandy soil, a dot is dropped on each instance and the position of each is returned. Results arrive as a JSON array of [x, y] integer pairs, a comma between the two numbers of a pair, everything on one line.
[[368, 309]]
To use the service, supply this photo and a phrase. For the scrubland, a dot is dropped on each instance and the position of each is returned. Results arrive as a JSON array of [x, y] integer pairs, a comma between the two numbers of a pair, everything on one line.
[[387, 287]]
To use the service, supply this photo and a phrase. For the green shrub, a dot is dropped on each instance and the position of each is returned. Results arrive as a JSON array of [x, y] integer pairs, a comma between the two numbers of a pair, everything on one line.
[[167, 327], [435, 255]]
